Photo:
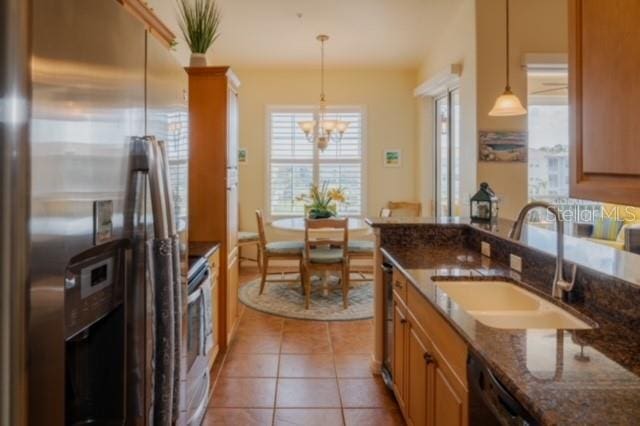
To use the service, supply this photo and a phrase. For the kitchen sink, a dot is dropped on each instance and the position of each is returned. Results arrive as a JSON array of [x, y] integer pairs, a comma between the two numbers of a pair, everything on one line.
[[501, 304]]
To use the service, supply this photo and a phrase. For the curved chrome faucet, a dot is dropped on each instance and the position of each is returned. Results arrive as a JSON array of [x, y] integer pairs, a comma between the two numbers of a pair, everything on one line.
[[559, 283]]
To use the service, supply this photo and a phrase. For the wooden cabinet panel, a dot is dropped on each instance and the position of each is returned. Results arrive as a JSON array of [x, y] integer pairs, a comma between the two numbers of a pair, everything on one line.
[[604, 46], [400, 285], [448, 404], [213, 177], [419, 375], [232, 293], [398, 357]]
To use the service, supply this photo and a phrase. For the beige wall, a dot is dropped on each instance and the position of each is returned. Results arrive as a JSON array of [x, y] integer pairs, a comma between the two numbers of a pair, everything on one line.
[[453, 44], [390, 117], [538, 26]]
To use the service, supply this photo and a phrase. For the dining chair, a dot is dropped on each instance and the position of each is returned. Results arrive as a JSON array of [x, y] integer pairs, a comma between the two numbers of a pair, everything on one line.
[[404, 208], [326, 254], [247, 239], [277, 250]]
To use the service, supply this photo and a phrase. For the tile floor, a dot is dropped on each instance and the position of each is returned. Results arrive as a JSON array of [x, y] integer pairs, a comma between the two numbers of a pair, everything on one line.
[[291, 372]]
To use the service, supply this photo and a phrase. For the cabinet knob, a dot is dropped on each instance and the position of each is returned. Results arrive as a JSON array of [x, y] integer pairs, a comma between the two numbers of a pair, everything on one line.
[[403, 320], [428, 358], [398, 284]]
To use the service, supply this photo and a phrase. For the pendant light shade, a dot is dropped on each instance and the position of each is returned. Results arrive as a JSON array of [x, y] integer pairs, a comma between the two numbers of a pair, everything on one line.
[[507, 104]]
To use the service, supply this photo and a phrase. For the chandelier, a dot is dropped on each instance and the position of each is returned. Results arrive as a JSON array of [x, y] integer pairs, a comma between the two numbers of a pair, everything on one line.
[[323, 131]]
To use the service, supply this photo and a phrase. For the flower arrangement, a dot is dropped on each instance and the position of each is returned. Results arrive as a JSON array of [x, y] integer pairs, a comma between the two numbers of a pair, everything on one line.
[[322, 202]]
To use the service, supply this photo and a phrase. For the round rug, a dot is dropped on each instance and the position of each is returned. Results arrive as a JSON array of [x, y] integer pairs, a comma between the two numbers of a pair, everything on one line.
[[286, 300]]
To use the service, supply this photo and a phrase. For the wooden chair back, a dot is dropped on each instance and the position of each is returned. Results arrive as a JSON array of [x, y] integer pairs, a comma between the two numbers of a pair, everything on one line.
[[311, 225], [405, 208], [261, 233]]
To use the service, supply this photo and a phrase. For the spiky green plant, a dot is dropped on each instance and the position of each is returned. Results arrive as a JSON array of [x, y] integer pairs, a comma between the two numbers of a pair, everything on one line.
[[199, 22]]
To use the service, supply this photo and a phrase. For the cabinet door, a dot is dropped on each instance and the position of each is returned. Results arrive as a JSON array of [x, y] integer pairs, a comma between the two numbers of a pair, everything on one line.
[[448, 403], [232, 292], [604, 46], [399, 362], [419, 374]]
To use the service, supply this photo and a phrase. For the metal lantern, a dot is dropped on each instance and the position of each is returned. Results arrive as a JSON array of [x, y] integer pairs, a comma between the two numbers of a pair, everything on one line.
[[484, 205]]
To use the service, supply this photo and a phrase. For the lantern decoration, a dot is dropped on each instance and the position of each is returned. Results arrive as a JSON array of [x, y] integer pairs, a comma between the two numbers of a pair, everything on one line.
[[484, 205]]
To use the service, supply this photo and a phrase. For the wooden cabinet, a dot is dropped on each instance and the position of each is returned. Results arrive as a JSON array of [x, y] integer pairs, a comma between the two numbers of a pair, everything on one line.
[[398, 355], [604, 47], [214, 264], [429, 363], [213, 178]]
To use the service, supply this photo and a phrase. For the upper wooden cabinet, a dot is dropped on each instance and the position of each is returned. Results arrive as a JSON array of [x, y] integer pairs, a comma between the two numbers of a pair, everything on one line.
[[604, 86]]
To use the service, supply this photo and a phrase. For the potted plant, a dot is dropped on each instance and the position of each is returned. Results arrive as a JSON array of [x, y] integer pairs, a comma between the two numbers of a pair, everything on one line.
[[199, 22], [322, 202]]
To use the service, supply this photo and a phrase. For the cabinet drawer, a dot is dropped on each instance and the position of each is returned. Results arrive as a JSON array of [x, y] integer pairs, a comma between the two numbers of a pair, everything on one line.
[[400, 285], [450, 347]]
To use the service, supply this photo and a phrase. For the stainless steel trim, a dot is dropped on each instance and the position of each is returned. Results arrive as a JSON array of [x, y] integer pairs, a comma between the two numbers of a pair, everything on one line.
[[15, 89], [171, 215]]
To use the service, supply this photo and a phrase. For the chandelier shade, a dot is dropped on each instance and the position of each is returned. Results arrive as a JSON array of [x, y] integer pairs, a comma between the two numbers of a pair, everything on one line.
[[322, 131]]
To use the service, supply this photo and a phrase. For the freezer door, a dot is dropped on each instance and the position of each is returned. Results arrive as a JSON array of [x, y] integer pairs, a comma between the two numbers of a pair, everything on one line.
[[88, 100]]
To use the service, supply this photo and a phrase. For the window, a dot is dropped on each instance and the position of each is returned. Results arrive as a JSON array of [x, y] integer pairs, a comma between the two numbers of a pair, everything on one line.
[[447, 143], [295, 163], [548, 135]]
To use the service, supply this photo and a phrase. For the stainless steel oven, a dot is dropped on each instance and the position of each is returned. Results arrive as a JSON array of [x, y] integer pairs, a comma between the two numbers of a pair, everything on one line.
[[200, 338]]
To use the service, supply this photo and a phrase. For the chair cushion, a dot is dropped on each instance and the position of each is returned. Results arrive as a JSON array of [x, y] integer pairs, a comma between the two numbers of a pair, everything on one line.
[[606, 229], [361, 246], [285, 247], [326, 255], [248, 237]]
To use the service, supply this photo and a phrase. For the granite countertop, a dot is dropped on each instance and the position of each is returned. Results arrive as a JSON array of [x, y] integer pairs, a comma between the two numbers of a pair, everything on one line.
[[597, 257], [560, 376], [199, 252]]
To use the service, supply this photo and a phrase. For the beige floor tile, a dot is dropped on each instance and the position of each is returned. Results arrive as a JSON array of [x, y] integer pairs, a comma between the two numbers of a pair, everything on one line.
[[244, 393], [313, 365], [307, 393], [238, 416], [308, 417]]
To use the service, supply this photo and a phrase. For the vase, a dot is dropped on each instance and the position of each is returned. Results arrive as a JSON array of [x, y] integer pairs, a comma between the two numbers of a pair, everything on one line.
[[320, 214], [198, 60]]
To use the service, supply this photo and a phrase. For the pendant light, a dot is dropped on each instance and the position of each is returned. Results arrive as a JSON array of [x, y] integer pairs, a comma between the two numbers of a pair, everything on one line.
[[507, 104], [323, 131]]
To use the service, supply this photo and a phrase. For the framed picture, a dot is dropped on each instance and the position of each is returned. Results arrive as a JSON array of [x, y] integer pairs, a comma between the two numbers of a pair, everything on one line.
[[502, 146], [242, 155], [392, 158]]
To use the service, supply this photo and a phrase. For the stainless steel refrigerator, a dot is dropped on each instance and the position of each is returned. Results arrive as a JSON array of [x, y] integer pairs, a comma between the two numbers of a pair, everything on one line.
[[108, 222]]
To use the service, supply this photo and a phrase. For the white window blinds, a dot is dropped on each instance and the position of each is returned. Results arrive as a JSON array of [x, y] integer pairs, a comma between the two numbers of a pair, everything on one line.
[[295, 163]]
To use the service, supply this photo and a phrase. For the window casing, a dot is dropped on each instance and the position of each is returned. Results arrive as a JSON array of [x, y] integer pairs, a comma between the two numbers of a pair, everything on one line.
[[293, 163]]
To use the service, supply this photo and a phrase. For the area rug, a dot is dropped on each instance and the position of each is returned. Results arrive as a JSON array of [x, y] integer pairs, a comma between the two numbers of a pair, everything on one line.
[[286, 300]]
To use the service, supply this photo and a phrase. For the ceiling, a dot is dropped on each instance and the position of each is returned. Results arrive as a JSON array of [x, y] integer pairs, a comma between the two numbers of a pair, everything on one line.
[[281, 33]]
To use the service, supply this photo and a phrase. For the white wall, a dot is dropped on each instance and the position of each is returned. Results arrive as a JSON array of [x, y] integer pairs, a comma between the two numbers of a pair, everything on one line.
[[455, 44], [391, 123], [539, 26]]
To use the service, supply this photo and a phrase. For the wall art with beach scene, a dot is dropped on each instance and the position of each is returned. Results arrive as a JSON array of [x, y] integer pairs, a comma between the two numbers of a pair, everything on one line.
[[503, 146]]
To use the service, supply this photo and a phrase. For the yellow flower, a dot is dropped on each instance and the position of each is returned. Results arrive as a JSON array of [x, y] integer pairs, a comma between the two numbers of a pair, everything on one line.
[[337, 194]]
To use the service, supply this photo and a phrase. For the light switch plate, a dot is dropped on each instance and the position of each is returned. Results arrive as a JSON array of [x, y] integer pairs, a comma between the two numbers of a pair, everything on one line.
[[515, 262], [485, 249]]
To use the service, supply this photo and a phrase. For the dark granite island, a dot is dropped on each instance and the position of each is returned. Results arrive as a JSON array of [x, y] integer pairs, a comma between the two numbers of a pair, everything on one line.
[[572, 377]]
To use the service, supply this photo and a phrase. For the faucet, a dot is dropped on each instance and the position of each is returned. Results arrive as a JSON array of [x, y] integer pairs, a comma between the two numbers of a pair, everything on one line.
[[559, 283]]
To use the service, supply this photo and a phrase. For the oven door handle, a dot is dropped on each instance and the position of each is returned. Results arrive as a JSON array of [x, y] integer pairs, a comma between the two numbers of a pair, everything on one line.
[[195, 295]]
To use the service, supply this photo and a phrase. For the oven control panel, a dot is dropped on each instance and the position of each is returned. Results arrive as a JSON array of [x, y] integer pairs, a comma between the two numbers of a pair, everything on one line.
[[94, 285]]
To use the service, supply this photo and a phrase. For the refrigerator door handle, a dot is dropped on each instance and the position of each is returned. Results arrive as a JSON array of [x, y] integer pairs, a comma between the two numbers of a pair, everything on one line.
[[157, 193]]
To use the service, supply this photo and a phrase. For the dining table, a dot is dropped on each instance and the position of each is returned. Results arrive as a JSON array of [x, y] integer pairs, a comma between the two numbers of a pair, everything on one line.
[[297, 224]]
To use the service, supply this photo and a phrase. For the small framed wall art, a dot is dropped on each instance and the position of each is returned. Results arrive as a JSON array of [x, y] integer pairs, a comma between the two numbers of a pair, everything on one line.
[[392, 158], [243, 156]]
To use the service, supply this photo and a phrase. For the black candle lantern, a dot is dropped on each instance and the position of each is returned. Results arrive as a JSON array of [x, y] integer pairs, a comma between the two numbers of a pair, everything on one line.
[[484, 205]]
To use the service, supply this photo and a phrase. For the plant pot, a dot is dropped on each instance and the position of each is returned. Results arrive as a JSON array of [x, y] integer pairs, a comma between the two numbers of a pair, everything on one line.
[[198, 60], [320, 214]]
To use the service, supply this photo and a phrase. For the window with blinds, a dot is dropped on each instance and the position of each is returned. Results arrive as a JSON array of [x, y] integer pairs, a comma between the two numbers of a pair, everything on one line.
[[295, 163]]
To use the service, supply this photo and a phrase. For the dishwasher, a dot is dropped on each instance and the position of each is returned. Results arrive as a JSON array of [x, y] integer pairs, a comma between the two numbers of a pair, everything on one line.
[[387, 278], [490, 404]]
